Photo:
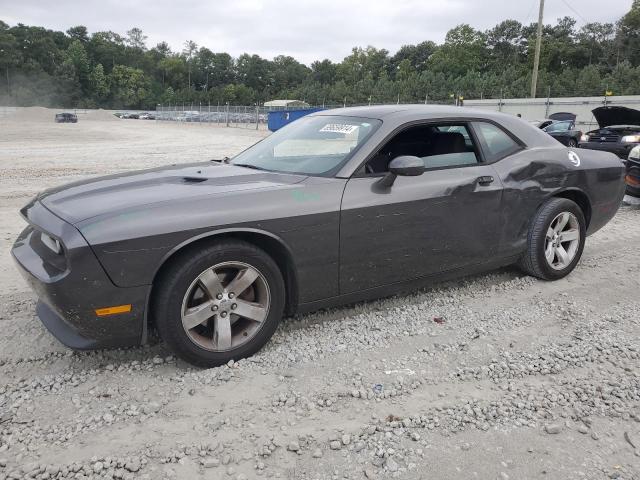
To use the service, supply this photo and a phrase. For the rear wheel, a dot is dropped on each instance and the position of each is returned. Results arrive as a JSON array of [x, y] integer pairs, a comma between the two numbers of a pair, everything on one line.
[[572, 143], [221, 303], [555, 241]]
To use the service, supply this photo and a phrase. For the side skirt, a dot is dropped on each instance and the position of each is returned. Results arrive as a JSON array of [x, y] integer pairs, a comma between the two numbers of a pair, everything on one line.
[[405, 286]]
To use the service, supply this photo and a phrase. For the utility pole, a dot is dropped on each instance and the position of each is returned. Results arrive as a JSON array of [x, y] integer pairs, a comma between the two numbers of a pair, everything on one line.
[[536, 61]]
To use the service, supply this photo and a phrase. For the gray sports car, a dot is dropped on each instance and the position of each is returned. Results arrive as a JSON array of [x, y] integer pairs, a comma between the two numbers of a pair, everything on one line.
[[340, 206]]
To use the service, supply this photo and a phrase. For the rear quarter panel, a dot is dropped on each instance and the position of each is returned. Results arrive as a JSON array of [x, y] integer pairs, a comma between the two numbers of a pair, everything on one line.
[[532, 176]]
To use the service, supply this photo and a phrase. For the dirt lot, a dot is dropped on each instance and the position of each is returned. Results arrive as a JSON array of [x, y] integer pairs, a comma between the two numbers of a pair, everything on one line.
[[520, 379]]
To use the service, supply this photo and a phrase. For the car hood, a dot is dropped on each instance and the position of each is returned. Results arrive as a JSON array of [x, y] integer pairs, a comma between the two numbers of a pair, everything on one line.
[[608, 116], [86, 199], [559, 116]]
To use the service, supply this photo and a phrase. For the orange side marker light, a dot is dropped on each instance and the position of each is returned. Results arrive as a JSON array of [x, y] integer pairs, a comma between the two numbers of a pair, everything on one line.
[[103, 312]]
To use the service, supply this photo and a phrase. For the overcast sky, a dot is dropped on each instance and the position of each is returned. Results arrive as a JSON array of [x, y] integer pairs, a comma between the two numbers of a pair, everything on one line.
[[305, 29]]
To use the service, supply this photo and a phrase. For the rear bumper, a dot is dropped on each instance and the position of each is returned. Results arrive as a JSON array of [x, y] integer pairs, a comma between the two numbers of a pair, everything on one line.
[[70, 290], [620, 149]]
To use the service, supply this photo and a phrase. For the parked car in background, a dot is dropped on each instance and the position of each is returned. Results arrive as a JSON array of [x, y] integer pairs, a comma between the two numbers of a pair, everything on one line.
[[565, 132], [541, 123], [619, 131], [66, 117], [632, 178], [339, 206]]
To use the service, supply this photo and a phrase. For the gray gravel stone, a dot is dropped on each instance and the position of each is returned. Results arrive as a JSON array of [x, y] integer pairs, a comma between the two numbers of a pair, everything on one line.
[[553, 428]]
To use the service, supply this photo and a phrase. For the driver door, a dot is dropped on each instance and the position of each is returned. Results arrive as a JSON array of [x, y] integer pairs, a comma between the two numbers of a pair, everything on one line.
[[444, 219]]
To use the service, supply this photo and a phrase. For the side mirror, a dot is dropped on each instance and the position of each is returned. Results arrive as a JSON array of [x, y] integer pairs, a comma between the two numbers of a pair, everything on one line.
[[405, 166]]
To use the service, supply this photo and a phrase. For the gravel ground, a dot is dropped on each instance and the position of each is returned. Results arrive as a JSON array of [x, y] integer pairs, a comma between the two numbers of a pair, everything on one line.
[[494, 376]]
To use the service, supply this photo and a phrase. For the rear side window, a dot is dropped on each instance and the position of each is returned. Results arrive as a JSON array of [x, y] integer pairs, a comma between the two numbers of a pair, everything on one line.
[[495, 142], [559, 127]]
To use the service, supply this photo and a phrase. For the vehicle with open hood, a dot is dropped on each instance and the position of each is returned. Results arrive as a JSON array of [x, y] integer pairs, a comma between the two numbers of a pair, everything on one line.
[[563, 128], [619, 131]]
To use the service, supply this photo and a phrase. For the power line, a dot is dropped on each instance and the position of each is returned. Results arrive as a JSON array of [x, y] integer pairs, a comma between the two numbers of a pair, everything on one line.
[[575, 11], [533, 4]]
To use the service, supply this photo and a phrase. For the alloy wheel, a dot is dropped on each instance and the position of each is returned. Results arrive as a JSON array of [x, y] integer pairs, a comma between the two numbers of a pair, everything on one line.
[[225, 306], [562, 240]]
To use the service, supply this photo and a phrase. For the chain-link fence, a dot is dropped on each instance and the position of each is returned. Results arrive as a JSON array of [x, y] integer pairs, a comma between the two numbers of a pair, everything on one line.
[[256, 117], [224, 115], [244, 116]]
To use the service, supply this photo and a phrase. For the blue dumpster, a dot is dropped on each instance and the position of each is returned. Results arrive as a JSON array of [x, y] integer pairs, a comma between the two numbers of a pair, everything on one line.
[[279, 118]]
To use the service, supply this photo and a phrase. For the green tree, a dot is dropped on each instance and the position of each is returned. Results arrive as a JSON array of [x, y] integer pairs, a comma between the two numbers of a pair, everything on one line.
[[79, 33], [190, 48], [129, 86], [99, 84], [464, 49], [323, 72], [77, 57], [136, 39], [629, 34]]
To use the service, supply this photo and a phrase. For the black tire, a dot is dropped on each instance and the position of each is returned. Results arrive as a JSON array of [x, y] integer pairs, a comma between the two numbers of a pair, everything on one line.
[[572, 143], [533, 261], [175, 280], [632, 191]]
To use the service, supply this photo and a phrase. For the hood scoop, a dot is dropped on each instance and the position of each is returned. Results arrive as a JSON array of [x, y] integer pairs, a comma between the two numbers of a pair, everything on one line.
[[194, 179]]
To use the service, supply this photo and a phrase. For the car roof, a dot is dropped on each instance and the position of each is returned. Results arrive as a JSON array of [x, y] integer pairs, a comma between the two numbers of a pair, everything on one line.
[[394, 117], [382, 112]]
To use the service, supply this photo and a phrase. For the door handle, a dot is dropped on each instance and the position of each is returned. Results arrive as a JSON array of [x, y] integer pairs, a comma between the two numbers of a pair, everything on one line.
[[485, 180]]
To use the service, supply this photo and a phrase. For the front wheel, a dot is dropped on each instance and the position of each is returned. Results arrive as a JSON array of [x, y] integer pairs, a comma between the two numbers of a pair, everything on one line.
[[572, 143], [220, 303], [555, 241]]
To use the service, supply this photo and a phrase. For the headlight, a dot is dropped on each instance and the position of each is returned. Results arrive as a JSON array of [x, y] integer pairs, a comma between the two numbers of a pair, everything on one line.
[[634, 154], [52, 243], [631, 139], [584, 137]]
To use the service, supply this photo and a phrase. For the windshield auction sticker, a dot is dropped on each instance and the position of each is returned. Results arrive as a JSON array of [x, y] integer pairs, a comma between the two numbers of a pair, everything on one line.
[[339, 128]]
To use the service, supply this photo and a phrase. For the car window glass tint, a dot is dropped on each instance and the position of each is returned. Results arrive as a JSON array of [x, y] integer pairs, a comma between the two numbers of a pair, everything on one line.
[[438, 146], [495, 142], [559, 127]]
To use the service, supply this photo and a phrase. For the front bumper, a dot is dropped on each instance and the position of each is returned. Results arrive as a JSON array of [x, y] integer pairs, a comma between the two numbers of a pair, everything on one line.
[[620, 149], [72, 285], [632, 178]]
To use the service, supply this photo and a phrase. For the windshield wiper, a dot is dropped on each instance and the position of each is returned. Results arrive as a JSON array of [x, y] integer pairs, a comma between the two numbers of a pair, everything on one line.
[[246, 165]]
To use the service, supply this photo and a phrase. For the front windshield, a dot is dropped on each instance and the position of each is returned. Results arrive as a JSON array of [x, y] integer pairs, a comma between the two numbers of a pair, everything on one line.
[[315, 145], [558, 127]]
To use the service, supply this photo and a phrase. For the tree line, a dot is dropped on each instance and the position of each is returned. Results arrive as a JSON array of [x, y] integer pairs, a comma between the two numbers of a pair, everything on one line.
[[108, 70]]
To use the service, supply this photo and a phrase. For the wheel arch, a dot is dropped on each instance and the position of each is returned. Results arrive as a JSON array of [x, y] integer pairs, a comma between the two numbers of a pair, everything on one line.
[[580, 198], [273, 245]]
